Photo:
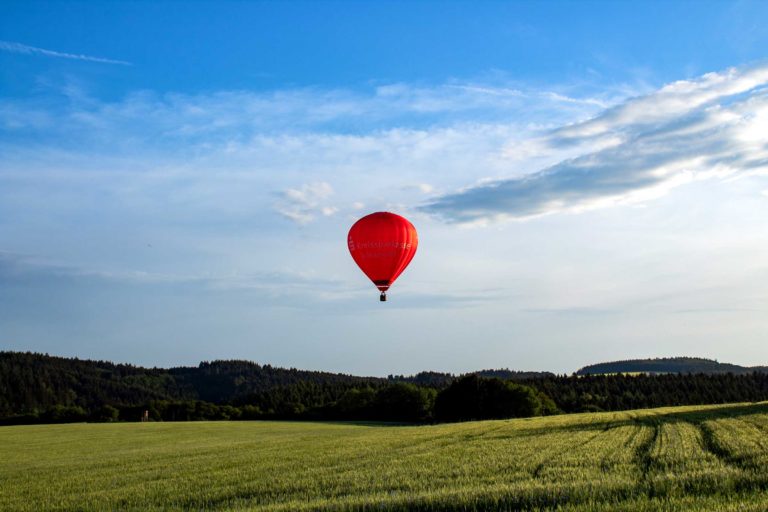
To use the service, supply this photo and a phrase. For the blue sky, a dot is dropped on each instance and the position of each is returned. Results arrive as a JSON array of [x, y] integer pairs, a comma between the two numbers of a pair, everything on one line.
[[588, 181]]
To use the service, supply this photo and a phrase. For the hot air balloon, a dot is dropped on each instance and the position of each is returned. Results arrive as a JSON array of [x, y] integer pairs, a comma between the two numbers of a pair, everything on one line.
[[382, 244]]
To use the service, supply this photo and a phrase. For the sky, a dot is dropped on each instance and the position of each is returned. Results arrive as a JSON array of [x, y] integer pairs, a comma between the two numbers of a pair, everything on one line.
[[589, 181]]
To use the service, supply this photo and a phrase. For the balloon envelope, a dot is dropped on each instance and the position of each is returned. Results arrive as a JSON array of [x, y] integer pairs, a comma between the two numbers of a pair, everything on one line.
[[382, 244]]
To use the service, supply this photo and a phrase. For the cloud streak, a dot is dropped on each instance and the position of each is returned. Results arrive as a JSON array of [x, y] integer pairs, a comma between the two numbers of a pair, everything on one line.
[[23, 269], [13, 47], [711, 127]]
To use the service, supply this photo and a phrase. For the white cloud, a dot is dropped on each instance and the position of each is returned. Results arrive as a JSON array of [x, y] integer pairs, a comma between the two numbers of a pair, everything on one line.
[[711, 127], [302, 204], [328, 210], [426, 188], [670, 102], [13, 47]]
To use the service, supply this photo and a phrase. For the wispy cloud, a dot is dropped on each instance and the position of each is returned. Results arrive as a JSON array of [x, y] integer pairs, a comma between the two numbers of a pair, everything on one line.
[[303, 204], [711, 127], [13, 47], [221, 157], [633, 151], [237, 116]]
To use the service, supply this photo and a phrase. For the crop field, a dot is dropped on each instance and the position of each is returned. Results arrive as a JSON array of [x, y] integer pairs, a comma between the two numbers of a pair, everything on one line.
[[682, 458]]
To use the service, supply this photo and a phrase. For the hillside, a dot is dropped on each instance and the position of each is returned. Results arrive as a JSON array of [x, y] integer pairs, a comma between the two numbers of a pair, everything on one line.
[[687, 458], [668, 365]]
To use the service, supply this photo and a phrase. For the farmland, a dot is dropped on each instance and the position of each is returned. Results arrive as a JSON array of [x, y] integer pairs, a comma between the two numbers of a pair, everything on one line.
[[682, 458]]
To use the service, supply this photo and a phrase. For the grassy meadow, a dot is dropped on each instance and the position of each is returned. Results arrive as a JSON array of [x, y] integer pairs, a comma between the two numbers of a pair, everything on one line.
[[682, 458]]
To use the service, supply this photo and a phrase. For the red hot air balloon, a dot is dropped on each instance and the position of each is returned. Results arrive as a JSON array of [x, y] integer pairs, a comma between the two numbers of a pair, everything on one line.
[[382, 244]]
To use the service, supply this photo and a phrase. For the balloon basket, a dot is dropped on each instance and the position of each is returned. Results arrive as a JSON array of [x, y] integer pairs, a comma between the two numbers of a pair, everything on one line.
[[383, 297]]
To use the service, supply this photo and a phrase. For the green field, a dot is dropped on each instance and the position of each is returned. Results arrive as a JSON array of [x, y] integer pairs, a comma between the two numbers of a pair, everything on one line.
[[683, 458]]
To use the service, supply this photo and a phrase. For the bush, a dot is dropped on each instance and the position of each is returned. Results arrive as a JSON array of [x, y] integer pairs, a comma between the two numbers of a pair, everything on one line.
[[355, 403], [64, 414], [404, 402], [106, 413], [476, 398]]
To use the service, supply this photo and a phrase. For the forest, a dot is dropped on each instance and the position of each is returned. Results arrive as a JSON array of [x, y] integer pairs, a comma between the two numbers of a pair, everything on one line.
[[37, 388]]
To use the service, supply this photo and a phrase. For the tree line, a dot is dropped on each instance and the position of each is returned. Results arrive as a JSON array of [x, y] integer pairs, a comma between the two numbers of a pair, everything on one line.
[[467, 398], [36, 388]]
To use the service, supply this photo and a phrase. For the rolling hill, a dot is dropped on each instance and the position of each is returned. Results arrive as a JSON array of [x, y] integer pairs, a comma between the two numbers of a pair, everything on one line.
[[668, 365]]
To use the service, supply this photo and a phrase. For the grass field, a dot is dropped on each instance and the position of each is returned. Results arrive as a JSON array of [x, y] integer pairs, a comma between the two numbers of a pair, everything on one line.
[[683, 458]]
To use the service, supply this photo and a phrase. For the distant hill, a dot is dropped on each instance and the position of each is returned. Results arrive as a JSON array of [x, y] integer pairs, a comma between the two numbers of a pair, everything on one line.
[[668, 365]]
